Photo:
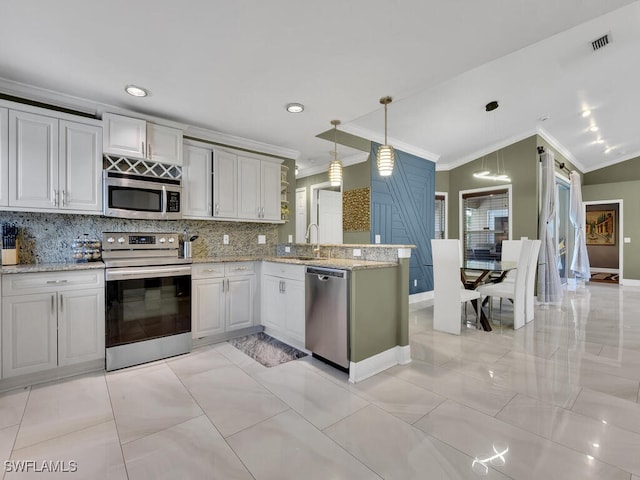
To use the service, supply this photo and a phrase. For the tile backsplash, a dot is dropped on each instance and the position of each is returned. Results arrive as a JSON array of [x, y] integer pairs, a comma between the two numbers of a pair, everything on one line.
[[46, 238]]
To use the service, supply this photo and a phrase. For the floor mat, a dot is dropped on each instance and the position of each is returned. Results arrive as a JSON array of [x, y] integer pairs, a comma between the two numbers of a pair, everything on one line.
[[266, 350], [604, 277]]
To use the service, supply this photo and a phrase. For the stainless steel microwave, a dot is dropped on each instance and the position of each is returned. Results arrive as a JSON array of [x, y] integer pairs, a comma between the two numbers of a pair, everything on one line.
[[141, 197]]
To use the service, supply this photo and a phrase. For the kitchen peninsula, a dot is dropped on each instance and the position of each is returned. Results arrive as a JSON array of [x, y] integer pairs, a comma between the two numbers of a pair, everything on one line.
[[378, 308]]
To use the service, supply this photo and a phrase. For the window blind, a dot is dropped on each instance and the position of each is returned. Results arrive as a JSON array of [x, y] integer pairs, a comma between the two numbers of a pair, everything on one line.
[[440, 220], [486, 223]]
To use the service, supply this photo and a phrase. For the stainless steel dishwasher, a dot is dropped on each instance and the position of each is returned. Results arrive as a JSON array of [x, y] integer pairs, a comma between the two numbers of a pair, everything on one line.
[[327, 314]]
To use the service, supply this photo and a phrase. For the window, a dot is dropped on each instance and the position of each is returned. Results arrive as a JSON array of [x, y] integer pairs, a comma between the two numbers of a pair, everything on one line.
[[440, 230], [486, 223]]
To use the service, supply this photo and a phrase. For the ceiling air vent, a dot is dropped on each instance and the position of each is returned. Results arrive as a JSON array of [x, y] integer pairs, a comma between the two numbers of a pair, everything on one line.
[[601, 42]]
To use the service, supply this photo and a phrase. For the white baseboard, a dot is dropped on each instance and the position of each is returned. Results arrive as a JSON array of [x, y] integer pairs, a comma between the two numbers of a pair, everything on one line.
[[629, 282], [421, 297], [368, 367]]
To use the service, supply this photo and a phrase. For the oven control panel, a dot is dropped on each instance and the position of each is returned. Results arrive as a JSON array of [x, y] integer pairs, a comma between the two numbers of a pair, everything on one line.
[[139, 241]]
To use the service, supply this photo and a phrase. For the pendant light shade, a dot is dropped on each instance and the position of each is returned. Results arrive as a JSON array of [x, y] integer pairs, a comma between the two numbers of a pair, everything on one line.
[[385, 158], [335, 167]]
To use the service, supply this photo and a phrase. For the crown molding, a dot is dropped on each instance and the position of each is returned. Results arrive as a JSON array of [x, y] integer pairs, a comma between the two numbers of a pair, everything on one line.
[[550, 139], [613, 161], [239, 142], [397, 144], [346, 162]]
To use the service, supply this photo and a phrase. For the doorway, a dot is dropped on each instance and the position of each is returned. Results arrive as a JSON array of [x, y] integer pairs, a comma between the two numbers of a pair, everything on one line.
[[326, 212], [603, 234]]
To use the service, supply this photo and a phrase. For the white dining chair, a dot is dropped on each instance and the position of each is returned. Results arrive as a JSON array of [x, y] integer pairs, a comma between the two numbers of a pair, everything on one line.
[[448, 292], [516, 290], [531, 280], [510, 253]]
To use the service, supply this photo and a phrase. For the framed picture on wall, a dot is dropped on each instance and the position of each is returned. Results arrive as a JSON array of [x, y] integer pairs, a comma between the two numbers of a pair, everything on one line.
[[600, 228]]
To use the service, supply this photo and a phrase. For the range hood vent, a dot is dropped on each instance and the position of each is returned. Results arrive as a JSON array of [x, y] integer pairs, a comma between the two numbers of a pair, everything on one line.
[[601, 42]]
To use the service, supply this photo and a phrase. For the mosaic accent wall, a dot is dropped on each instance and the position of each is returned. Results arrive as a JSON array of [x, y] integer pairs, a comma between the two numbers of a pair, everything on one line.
[[356, 210], [46, 238]]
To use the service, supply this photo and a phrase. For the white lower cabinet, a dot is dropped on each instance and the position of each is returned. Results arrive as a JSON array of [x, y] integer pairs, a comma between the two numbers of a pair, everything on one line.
[[51, 320], [222, 297], [283, 302]]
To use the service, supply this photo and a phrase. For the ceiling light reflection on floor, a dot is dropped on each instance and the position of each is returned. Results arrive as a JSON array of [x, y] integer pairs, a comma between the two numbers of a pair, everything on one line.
[[480, 467]]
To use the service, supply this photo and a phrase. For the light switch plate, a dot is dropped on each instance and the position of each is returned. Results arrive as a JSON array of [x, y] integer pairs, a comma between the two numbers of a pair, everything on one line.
[[225, 239], [287, 249], [262, 239], [378, 240], [357, 252], [290, 239], [627, 239]]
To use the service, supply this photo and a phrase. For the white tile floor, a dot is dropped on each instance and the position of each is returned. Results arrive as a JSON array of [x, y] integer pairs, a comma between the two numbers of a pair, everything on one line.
[[557, 399]]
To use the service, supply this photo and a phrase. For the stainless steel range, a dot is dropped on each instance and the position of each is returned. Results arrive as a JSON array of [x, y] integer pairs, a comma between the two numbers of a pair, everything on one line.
[[148, 298]]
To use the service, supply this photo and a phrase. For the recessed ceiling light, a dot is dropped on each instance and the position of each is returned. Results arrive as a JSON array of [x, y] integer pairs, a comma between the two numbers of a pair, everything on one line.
[[136, 91], [599, 140], [608, 149], [295, 107], [586, 113], [593, 128]]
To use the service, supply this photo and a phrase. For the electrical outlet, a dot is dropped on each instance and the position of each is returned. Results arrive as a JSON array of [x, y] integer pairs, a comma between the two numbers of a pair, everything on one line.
[[262, 239], [357, 252], [415, 283], [287, 249], [378, 240], [225, 239], [627, 239], [290, 239]]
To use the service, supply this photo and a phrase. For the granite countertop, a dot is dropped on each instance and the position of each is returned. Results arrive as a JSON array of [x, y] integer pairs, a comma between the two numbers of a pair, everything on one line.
[[50, 267], [340, 263]]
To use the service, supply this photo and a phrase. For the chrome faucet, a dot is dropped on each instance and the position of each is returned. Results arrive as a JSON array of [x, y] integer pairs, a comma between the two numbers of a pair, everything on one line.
[[308, 236]]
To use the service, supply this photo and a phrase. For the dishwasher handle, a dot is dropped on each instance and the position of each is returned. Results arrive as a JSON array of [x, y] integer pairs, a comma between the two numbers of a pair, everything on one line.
[[326, 272]]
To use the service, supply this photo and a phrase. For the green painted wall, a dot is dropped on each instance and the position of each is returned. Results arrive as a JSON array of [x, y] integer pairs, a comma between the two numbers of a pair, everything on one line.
[[521, 163], [620, 172], [620, 182], [442, 181], [381, 320]]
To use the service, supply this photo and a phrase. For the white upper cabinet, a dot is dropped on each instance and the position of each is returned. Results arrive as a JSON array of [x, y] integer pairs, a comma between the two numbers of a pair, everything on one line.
[[80, 167], [164, 144], [196, 182], [4, 157], [124, 136], [33, 158], [133, 137], [54, 164], [259, 187], [225, 193]]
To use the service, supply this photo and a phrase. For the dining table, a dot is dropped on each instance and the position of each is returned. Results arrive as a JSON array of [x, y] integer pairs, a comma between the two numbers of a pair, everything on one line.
[[476, 272]]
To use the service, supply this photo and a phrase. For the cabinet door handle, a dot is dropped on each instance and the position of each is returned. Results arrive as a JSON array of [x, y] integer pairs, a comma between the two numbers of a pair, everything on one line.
[[64, 200], [149, 151], [284, 286], [240, 269], [210, 270], [52, 304], [56, 281], [217, 209], [54, 198], [209, 209], [144, 153], [61, 303]]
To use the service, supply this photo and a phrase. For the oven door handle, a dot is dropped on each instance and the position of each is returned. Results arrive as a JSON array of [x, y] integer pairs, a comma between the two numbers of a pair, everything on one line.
[[145, 272]]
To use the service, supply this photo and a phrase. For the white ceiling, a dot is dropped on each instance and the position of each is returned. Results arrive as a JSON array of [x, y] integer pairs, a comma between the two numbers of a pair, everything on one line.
[[233, 66]]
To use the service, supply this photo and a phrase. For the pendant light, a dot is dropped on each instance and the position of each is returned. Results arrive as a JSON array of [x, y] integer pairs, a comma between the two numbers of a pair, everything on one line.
[[485, 172], [385, 158], [335, 167]]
